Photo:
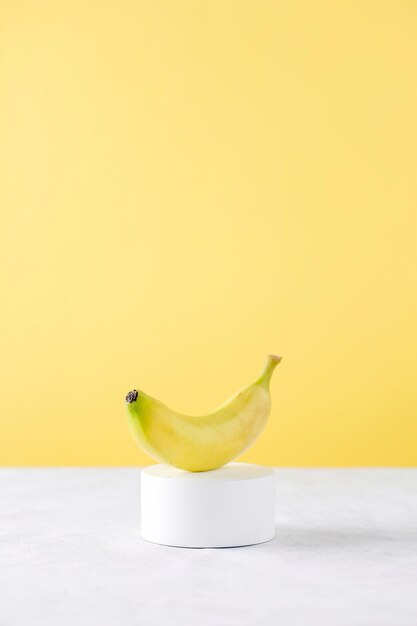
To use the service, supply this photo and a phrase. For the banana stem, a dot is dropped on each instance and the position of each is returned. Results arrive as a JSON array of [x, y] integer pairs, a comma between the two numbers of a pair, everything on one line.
[[271, 363]]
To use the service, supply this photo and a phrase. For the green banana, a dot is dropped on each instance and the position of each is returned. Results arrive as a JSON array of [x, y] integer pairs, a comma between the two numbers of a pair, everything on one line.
[[198, 444]]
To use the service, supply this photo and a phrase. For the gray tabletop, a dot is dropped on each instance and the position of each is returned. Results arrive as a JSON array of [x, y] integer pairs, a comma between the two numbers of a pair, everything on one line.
[[345, 553]]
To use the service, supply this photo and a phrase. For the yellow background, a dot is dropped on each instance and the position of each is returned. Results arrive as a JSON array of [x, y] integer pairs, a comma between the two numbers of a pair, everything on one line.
[[188, 185]]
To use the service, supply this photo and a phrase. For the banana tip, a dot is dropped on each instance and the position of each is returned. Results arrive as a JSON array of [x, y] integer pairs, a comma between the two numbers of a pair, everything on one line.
[[131, 396], [275, 358]]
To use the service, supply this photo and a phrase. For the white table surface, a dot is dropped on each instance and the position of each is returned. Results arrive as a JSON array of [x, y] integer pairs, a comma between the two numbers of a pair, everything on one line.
[[345, 554]]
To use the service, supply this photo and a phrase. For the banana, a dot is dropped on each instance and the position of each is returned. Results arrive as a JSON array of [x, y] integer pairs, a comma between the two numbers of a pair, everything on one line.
[[198, 444]]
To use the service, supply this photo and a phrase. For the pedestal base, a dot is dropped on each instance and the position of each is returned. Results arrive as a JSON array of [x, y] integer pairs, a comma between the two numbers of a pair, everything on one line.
[[228, 507]]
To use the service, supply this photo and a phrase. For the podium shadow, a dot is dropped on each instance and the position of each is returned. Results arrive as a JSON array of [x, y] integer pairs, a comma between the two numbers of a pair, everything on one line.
[[296, 538]]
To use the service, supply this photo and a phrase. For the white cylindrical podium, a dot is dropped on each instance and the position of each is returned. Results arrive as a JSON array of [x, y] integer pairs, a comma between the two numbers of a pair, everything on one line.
[[227, 507]]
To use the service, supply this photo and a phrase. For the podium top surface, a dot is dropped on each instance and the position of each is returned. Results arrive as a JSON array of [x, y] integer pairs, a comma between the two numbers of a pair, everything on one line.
[[231, 471]]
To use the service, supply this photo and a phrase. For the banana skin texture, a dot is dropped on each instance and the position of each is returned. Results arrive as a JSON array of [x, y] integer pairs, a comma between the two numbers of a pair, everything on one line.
[[203, 443]]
